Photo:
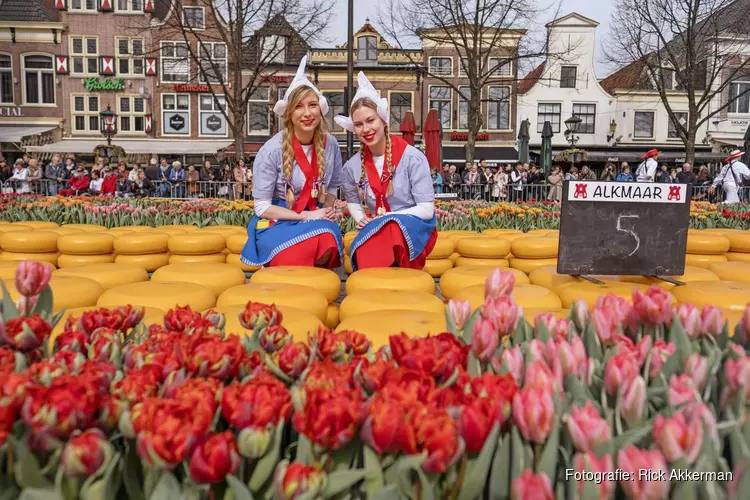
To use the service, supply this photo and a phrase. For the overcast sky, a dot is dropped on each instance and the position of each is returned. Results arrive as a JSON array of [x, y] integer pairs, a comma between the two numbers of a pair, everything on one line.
[[598, 10]]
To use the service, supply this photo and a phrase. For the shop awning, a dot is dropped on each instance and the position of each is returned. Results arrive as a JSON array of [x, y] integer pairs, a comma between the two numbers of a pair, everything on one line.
[[172, 146], [15, 133], [493, 154]]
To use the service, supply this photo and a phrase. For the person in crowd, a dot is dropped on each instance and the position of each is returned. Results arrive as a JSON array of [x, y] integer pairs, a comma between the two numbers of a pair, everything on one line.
[[673, 175], [534, 177], [686, 175], [452, 181], [19, 179], [208, 172], [473, 182], [152, 171], [437, 181], [296, 175], [95, 186], [731, 177], [26, 160], [649, 167], [191, 179], [177, 180], [572, 174], [240, 178], [6, 171], [609, 174], [624, 175], [663, 175], [587, 174], [516, 179], [500, 181], [35, 176], [392, 179], [54, 173], [162, 187], [100, 163], [133, 173], [142, 187], [555, 181], [487, 178], [78, 184], [123, 186], [225, 178], [109, 184]]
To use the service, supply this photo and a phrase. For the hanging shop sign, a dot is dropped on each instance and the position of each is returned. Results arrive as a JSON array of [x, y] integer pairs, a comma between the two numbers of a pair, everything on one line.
[[191, 88], [464, 136], [94, 83], [274, 79], [11, 111]]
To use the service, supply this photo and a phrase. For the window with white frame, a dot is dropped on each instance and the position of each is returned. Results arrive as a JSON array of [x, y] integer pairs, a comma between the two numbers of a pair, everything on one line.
[[666, 76], [175, 111], [129, 52], [84, 55], [273, 49], [463, 67], [175, 62], [498, 108], [672, 129], [39, 79], [367, 49], [85, 115], [133, 6], [193, 18], [587, 114], [643, 126], [6, 79], [499, 66], [131, 111], [568, 77], [213, 62], [440, 99], [548, 112], [211, 111], [463, 107], [399, 105], [280, 93], [259, 112], [739, 97], [335, 107], [83, 5], [441, 66]]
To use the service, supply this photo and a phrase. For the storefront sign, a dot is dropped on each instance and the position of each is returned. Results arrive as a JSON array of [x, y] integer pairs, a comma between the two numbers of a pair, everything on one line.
[[11, 111], [274, 79], [176, 123], [94, 83], [739, 123], [464, 136], [191, 88], [213, 124]]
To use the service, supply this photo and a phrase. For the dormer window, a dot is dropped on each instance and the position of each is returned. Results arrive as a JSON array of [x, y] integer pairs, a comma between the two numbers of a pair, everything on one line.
[[367, 49], [273, 50], [666, 76], [568, 77]]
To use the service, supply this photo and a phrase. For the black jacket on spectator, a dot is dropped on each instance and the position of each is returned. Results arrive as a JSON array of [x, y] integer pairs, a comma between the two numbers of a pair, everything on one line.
[[687, 177]]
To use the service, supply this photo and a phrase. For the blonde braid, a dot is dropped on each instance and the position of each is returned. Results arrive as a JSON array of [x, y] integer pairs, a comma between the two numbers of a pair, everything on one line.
[[320, 153], [361, 186], [388, 162], [287, 151]]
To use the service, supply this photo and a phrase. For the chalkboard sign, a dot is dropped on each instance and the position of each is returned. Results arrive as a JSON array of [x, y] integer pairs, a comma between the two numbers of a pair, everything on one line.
[[611, 228]]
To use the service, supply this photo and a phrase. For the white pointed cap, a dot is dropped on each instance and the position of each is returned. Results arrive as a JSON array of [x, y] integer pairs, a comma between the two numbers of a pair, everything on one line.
[[365, 90], [300, 79]]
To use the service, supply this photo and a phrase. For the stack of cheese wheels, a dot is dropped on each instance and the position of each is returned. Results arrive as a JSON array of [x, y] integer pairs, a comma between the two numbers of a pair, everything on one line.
[[732, 295], [298, 322], [383, 300], [218, 277], [533, 252], [197, 247], [119, 231], [704, 249], [731, 271], [36, 224], [87, 228], [739, 246], [391, 278], [107, 275], [439, 260], [235, 244], [548, 277], [378, 326], [285, 294], [8, 269], [37, 245], [145, 249], [81, 249], [68, 292], [63, 230], [226, 231], [456, 235], [161, 295], [458, 278], [484, 251], [590, 292], [524, 295], [692, 273]]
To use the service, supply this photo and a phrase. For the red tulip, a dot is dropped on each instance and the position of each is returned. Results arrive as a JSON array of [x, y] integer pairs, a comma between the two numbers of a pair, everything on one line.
[[530, 486], [475, 423], [328, 344], [214, 459], [356, 343], [76, 341], [601, 467], [499, 284], [219, 358], [459, 311], [438, 355], [180, 318], [387, 428], [586, 427], [105, 346], [292, 481], [690, 318], [330, 418], [25, 333], [86, 453], [647, 473], [712, 321], [681, 391], [11, 360], [137, 385], [437, 434], [654, 307], [293, 358], [260, 316], [677, 438], [259, 402], [534, 413], [274, 338], [620, 369], [32, 277], [217, 319]]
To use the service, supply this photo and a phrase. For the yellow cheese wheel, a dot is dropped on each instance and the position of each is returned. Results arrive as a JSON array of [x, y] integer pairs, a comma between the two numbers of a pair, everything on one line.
[[188, 228], [443, 249], [498, 232], [537, 232], [141, 243], [225, 231], [159, 294], [692, 273], [298, 322], [465, 234], [67, 292], [731, 271], [65, 261], [454, 257], [300, 296], [324, 280], [512, 236], [470, 262], [8, 269], [734, 295], [714, 230], [383, 300], [10, 228], [737, 256], [547, 277], [50, 257], [552, 233], [29, 242], [119, 231], [530, 265], [703, 260], [590, 292], [390, 278], [137, 229], [531, 313], [218, 258], [348, 239], [150, 262], [35, 224], [378, 326], [458, 278], [151, 315], [437, 267], [332, 317], [62, 231], [96, 243], [196, 243], [348, 265], [168, 230], [86, 227], [217, 277], [222, 227], [534, 248], [524, 295], [707, 244], [739, 242], [483, 248], [107, 275], [449, 232], [234, 260], [236, 242]]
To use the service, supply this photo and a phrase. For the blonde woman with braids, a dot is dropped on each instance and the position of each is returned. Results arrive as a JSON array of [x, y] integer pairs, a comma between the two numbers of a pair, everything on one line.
[[392, 180], [295, 177]]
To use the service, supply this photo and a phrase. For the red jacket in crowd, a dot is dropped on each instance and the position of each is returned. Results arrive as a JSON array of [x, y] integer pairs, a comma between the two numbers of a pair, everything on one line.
[[108, 186], [80, 183]]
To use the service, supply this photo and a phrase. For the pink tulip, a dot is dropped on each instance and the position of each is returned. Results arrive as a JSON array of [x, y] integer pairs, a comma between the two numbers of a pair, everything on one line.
[[702, 413], [560, 354], [605, 323], [681, 390], [654, 307], [737, 375], [660, 353], [602, 467], [537, 351], [558, 328], [696, 368], [538, 374], [512, 361], [586, 372], [648, 475], [744, 329], [499, 283], [712, 321], [586, 427], [690, 318], [32, 277], [580, 314], [644, 347], [484, 340], [534, 413], [530, 486], [677, 438], [620, 369], [503, 312], [626, 345], [459, 312], [633, 400], [620, 306]]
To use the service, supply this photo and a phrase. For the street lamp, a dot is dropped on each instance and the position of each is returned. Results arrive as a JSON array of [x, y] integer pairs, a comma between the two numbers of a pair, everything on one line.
[[572, 125], [108, 124]]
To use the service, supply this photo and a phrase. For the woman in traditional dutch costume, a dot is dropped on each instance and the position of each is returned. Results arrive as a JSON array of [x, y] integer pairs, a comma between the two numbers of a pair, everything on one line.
[[293, 174], [392, 179]]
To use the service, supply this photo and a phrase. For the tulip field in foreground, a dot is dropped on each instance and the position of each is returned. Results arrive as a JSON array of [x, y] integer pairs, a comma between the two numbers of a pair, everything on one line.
[[645, 400]]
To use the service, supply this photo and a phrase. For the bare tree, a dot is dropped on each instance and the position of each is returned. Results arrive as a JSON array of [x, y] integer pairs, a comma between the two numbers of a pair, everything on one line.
[[683, 47], [254, 33], [475, 30]]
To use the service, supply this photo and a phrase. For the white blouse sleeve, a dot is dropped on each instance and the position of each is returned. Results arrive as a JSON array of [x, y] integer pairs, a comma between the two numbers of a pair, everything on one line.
[[356, 210], [422, 210]]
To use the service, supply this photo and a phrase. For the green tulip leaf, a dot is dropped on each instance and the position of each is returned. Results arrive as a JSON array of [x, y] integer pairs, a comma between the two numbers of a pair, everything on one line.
[[266, 465], [469, 326], [591, 342], [44, 303], [132, 477], [38, 494], [304, 450], [578, 392], [548, 459], [450, 325], [66, 487], [390, 492], [500, 474], [8, 488], [27, 471], [405, 468], [477, 468], [631, 436], [95, 488], [374, 480], [475, 367], [342, 480], [9, 309], [723, 339], [670, 367], [679, 338], [166, 487], [518, 454], [542, 332], [238, 488]]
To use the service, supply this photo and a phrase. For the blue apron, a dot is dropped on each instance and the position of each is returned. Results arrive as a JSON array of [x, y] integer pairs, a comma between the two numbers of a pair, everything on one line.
[[265, 244], [416, 231]]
